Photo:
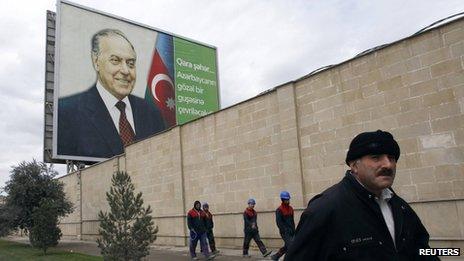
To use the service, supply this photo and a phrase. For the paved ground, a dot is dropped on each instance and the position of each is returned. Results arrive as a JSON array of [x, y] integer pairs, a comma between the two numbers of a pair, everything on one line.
[[161, 253]]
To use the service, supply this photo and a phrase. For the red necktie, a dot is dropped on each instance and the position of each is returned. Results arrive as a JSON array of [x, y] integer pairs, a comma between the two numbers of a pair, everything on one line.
[[125, 129]]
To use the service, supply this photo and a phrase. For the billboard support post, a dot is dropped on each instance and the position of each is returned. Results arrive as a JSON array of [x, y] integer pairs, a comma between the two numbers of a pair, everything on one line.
[[49, 87], [72, 166]]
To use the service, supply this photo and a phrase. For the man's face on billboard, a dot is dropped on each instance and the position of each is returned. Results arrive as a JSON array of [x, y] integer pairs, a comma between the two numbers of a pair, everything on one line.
[[115, 65]]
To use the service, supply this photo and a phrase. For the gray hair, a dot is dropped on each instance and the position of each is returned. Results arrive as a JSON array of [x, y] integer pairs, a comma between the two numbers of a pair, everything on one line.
[[95, 42]]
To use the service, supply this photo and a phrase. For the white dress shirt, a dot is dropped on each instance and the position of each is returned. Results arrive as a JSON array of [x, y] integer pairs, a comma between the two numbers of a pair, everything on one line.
[[387, 213], [110, 103]]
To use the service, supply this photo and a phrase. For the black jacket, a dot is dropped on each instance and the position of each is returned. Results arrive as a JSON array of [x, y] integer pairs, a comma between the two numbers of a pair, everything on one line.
[[250, 220], [196, 220], [345, 223], [209, 223], [285, 221]]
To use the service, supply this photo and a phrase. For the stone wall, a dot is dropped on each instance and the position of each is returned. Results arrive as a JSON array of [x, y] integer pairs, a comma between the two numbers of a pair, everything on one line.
[[295, 137]]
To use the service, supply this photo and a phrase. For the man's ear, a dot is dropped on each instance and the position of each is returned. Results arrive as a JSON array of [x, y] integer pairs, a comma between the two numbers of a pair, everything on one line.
[[95, 62], [354, 166]]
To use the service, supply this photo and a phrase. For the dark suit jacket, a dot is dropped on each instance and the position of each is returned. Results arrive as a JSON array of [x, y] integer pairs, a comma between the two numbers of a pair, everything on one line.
[[85, 127]]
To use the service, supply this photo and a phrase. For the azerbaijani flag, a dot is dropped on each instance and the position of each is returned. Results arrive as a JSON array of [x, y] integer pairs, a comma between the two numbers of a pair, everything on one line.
[[160, 85]]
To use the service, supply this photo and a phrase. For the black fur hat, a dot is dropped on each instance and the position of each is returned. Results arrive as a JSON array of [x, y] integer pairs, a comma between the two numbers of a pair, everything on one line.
[[375, 142]]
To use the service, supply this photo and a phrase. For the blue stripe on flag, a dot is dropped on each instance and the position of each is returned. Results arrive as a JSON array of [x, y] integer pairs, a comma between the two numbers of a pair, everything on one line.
[[164, 45]]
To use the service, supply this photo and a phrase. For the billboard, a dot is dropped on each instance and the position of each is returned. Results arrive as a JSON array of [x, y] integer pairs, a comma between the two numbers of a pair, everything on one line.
[[117, 81]]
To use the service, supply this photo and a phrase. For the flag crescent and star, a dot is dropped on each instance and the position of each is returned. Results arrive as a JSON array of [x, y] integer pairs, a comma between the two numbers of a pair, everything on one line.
[[160, 87]]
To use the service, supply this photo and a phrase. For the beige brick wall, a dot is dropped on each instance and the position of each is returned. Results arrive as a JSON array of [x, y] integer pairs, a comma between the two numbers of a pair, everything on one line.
[[95, 182], [155, 169], [413, 89], [70, 225], [227, 156], [295, 137]]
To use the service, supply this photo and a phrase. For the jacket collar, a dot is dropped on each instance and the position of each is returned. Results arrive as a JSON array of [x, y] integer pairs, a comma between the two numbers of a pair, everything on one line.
[[360, 192], [93, 108], [358, 187], [386, 193]]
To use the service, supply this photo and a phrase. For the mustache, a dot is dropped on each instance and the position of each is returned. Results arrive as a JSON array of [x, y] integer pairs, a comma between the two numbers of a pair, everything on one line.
[[386, 172]]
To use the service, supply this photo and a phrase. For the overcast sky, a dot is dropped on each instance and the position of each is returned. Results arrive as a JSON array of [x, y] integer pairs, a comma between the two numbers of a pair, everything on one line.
[[261, 44]]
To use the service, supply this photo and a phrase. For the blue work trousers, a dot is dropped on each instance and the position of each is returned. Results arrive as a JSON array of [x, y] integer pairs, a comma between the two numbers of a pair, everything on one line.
[[194, 237]]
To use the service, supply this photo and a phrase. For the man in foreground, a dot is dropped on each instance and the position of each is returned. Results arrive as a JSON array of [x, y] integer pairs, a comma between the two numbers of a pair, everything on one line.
[[361, 218]]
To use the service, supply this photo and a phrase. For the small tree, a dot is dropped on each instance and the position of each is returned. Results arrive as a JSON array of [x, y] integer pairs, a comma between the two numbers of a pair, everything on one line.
[[128, 229], [30, 184], [7, 216], [45, 231]]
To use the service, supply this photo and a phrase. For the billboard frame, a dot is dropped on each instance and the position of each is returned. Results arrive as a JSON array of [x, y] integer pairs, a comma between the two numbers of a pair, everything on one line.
[[55, 158], [49, 87]]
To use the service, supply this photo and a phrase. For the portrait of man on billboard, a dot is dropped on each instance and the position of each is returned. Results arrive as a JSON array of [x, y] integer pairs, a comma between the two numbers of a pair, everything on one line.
[[100, 121]]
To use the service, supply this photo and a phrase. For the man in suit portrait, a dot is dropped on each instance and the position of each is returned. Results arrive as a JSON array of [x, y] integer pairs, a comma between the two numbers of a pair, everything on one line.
[[105, 118]]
